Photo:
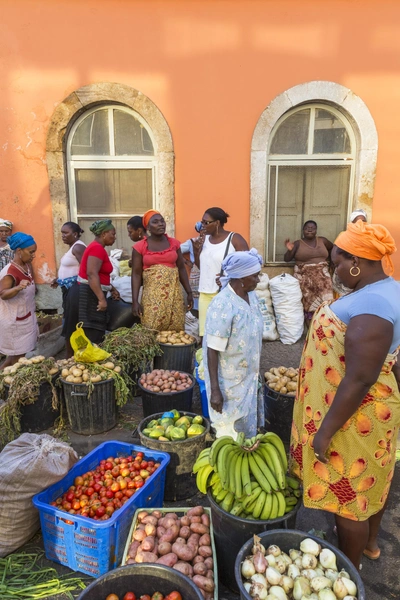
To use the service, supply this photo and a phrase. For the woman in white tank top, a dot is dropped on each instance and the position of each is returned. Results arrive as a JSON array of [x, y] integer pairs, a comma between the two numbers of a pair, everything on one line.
[[67, 279], [209, 255]]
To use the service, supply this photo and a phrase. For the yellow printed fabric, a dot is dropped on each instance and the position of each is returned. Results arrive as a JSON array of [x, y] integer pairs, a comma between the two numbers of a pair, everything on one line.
[[356, 481], [162, 299]]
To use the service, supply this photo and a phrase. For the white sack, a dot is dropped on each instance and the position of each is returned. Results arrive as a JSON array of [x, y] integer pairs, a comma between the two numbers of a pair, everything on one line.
[[192, 325], [270, 333], [289, 315], [28, 465]]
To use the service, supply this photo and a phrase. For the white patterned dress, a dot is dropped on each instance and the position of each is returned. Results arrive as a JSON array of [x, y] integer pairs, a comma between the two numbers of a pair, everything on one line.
[[229, 316]]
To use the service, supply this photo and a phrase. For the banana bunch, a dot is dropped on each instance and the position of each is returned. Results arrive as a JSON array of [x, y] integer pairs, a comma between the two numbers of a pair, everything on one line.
[[248, 477]]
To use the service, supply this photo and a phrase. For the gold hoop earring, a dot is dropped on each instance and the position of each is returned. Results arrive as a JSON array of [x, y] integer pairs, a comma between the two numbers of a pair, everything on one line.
[[355, 274]]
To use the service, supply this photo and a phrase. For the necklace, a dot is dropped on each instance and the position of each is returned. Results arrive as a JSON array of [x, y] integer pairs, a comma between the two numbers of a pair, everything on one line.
[[27, 273], [316, 243]]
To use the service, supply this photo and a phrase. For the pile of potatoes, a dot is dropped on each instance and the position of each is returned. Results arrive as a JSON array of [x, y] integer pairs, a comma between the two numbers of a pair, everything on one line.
[[9, 372], [175, 338], [85, 373], [162, 381], [282, 380], [181, 542]]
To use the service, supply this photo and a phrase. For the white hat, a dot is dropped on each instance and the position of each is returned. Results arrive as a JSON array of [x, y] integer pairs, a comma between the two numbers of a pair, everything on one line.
[[357, 213]]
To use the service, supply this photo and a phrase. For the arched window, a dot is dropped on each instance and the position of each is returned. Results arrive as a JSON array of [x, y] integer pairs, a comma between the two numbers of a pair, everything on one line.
[[111, 168], [311, 162]]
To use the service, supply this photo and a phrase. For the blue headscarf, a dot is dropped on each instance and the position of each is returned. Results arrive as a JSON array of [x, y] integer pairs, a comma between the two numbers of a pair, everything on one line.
[[240, 264], [20, 240]]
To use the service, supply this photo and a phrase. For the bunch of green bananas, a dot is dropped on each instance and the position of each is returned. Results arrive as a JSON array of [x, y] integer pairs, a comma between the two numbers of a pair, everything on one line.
[[248, 477]]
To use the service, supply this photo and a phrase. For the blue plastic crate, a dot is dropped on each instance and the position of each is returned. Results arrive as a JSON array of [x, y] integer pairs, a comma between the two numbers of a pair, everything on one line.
[[83, 544], [203, 395]]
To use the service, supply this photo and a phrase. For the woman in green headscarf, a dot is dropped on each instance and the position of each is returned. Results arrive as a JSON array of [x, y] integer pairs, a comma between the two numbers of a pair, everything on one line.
[[94, 281]]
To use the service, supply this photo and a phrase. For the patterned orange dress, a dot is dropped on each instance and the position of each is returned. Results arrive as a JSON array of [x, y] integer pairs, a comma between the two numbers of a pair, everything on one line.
[[356, 481]]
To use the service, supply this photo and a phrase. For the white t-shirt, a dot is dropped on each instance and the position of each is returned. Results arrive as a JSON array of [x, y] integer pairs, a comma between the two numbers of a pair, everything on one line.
[[211, 258], [69, 265]]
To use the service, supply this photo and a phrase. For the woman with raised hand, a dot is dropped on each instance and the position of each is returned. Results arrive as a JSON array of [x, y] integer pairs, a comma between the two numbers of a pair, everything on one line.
[[19, 330]]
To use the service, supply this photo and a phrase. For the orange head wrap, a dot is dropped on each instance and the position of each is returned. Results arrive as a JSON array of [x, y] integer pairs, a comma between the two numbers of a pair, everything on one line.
[[147, 216], [368, 241]]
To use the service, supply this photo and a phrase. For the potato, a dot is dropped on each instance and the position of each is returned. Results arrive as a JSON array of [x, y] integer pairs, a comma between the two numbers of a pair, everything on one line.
[[203, 583], [209, 562], [195, 520], [196, 511], [146, 557], [133, 548], [170, 535], [200, 569], [169, 560], [150, 519], [198, 559], [184, 567], [150, 529], [205, 540], [205, 519], [205, 551], [70, 378], [283, 390], [164, 548], [199, 528], [142, 515], [148, 543], [160, 531], [108, 365], [64, 373], [185, 532], [291, 386], [184, 552], [139, 535]]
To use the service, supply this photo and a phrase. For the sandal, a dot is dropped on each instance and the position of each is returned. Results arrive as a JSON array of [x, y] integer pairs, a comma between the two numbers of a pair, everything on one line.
[[372, 555]]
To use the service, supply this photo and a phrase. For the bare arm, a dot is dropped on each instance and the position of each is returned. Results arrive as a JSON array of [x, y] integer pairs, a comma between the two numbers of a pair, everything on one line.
[[367, 343], [136, 282], [292, 248], [216, 399], [9, 290], [78, 251], [183, 278], [92, 269], [239, 243]]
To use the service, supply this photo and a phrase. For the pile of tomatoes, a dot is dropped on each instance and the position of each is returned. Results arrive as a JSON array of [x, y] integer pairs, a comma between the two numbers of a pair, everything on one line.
[[155, 596], [99, 493]]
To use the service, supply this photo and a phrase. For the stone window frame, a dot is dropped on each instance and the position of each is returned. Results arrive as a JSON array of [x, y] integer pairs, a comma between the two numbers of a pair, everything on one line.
[[65, 115], [357, 113]]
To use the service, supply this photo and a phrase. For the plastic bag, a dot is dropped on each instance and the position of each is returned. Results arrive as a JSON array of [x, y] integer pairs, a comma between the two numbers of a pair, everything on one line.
[[84, 351], [270, 333], [286, 297], [28, 465], [192, 325]]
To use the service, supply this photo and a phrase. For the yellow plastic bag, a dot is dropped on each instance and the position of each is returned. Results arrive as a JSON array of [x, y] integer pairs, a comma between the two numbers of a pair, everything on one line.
[[84, 351]]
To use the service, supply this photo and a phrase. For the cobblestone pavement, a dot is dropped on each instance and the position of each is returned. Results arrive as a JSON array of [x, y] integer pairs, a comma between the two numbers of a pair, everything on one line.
[[380, 577]]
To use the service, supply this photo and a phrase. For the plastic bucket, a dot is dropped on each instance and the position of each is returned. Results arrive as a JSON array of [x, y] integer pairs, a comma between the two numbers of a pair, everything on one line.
[[40, 415], [94, 414], [180, 482], [286, 540], [176, 358], [230, 533], [278, 413], [154, 402], [141, 579]]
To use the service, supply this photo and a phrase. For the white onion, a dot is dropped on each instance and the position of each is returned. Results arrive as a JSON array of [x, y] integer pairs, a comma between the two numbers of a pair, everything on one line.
[[308, 546], [248, 568], [309, 561], [293, 571], [309, 573], [301, 588], [320, 583], [287, 583], [331, 574], [276, 590], [326, 594], [344, 587], [273, 576], [259, 590], [327, 558], [274, 550]]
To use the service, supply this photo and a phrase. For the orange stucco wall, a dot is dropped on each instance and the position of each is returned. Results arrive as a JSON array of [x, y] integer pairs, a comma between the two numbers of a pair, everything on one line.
[[211, 67]]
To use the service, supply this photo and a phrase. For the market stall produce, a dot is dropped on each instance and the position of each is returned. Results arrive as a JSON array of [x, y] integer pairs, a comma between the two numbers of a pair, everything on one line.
[[279, 394], [282, 379], [163, 389], [172, 426], [177, 350], [182, 540], [292, 565], [32, 402]]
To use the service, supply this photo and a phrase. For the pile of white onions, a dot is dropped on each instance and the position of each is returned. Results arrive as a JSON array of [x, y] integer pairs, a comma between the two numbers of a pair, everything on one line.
[[306, 574]]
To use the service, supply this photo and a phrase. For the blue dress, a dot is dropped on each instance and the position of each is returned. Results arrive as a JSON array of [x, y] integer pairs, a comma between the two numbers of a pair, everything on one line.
[[229, 316]]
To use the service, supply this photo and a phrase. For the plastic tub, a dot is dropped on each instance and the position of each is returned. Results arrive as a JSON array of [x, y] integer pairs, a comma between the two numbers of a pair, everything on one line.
[[90, 414], [278, 413], [40, 415], [86, 545], [230, 533], [180, 482], [180, 512], [287, 540], [176, 358], [203, 395], [159, 403], [141, 579]]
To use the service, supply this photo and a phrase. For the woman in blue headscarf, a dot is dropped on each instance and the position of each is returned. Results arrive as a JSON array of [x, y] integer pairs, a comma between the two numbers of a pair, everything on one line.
[[232, 348], [19, 330]]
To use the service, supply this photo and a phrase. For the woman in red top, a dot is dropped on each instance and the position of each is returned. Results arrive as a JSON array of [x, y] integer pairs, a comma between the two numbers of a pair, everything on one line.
[[94, 279], [159, 262], [19, 330]]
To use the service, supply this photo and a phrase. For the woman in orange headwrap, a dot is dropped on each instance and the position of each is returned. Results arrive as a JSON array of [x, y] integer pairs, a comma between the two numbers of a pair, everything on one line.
[[347, 408], [158, 260]]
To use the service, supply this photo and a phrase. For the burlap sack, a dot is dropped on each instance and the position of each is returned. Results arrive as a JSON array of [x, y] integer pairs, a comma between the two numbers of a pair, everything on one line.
[[28, 465]]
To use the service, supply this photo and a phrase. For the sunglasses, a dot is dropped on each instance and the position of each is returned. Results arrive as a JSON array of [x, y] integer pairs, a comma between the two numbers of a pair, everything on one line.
[[207, 222]]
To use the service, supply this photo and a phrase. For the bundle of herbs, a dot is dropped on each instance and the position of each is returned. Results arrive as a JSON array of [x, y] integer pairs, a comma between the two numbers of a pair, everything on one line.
[[22, 381], [22, 577], [133, 347]]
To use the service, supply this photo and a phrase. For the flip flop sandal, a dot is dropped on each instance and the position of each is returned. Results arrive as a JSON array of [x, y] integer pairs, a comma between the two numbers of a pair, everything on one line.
[[372, 555]]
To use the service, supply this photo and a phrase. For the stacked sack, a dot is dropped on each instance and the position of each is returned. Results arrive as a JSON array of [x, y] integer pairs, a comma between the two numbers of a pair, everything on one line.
[[270, 333]]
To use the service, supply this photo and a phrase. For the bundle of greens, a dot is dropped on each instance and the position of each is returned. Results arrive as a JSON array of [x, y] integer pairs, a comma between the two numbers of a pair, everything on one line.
[[133, 347]]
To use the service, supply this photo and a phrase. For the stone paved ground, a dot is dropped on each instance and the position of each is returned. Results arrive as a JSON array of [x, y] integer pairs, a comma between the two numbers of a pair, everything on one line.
[[380, 578]]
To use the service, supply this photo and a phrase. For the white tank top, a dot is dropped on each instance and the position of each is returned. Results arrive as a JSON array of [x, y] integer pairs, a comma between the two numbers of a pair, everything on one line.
[[211, 258], [69, 266]]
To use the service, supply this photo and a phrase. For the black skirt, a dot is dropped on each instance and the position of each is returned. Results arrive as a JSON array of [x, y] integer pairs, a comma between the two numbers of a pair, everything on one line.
[[88, 313], [71, 310]]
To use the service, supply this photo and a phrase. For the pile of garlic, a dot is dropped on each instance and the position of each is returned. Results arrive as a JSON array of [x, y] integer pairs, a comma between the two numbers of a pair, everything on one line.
[[306, 574]]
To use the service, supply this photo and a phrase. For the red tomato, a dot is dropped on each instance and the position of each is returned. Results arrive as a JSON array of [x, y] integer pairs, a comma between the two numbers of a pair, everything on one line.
[[173, 596], [97, 487], [129, 493], [76, 505], [144, 473], [70, 496], [129, 596], [131, 485], [109, 494], [109, 510], [144, 597], [78, 481], [112, 597], [144, 464], [139, 484], [115, 487], [104, 500], [140, 454], [101, 511], [108, 466], [90, 491]]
